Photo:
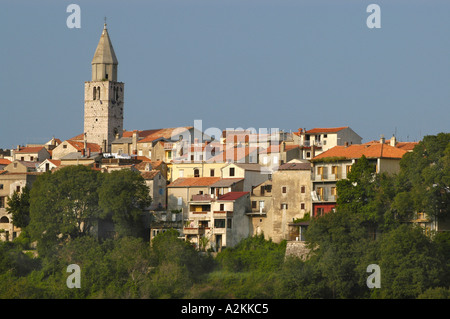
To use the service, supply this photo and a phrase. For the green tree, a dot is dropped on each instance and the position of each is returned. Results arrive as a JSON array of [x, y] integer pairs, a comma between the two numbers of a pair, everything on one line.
[[19, 207], [410, 263], [64, 205], [122, 197]]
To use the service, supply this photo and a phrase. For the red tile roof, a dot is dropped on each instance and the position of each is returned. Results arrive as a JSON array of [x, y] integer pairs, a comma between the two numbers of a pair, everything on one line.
[[194, 181], [231, 196], [358, 150], [80, 145], [151, 135], [326, 130], [150, 174], [4, 161], [33, 149]]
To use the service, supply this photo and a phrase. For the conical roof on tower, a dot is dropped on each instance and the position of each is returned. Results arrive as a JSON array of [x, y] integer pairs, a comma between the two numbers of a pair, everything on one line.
[[104, 54]]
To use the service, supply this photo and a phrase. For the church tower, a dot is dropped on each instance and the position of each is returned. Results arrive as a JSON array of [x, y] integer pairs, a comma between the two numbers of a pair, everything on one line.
[[103, 97]]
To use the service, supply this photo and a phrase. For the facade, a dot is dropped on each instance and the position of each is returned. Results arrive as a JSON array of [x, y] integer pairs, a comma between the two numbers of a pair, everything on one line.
[[218, 223], [290, 197], [103, 97], [14, 178], [336, 163], [48, 165], [31, 154], [253, 174]]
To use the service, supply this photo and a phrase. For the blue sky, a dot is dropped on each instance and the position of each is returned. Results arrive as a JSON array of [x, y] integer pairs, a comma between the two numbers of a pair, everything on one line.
[[248, 63]]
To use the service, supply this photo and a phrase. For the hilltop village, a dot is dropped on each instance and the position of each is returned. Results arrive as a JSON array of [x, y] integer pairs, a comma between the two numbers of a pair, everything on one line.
[[224, 186]]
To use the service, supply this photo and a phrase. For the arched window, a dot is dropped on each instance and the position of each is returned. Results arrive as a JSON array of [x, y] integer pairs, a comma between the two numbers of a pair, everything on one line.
[[196, 172], [94, 93], [98, 92], [4, 219]]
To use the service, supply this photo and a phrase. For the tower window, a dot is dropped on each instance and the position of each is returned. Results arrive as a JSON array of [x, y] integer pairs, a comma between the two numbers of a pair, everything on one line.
[[94, 93], [98, 92]]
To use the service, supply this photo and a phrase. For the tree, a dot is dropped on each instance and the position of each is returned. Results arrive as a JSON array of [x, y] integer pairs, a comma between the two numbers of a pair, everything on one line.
[[19, 207], [122, 197], [64, 205]]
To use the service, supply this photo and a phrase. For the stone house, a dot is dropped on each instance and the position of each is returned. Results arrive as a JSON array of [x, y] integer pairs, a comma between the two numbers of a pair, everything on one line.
[[217, 223], [31, 154], [335, 164], [14, 178], [290, 197]]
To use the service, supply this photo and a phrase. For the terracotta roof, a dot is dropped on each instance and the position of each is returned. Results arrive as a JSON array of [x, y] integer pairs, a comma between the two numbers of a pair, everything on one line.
[[95, 148], [4, 161], [326, 130], [368, 150], [226, 182], [295, 166], [33, 149], [232, 196], [194, 181], [55, 162], [79, 137], [407, 146], [151, 135], [150, 174]]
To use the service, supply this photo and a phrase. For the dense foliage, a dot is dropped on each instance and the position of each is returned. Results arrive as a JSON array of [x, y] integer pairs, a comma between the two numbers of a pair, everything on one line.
[[368, 228]]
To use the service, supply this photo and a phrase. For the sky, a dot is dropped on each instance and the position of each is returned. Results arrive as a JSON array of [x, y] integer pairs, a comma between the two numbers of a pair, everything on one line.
[[259, 64]]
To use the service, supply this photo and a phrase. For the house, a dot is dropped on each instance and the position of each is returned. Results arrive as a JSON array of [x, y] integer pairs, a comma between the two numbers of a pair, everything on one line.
[[218, 223], [276, 155], [317, 140], [31, 154], [182, 190], [48, 165], [13, 178], [4, 162], [290, 196], [75, 146], [334, 164], [158, 188], [253, 174]]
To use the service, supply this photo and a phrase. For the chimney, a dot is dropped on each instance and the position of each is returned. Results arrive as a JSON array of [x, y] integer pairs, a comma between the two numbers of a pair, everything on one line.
[[134, 141], [393, 141], [88, 152], [382, 140]]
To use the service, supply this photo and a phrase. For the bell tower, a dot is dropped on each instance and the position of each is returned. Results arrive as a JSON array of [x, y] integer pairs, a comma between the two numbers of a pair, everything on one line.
[[103, 97]]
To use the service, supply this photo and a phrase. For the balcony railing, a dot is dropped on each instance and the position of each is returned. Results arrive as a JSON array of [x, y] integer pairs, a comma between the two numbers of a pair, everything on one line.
[[195, 230], [202, 197]]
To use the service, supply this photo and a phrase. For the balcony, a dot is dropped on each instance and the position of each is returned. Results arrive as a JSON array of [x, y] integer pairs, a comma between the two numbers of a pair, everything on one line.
[[195, 230], [202, 197]]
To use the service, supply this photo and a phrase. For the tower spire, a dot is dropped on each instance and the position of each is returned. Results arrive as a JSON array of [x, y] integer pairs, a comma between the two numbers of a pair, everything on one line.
[[104, 63]]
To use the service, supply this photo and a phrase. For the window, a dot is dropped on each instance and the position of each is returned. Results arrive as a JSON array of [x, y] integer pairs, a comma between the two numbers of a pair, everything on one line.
[[303, 189], [31, 158], [334, 170], [169, 154], [319, 211], [261, 204], [222, 207], [284, 189], [1, 186], [302, 206], [320, 170], [219, 223], [22, 158], [65, 146], [284, 206], [262, 189], [308, 154], [2, 202], [348, 168], [18, 189], [254, 204], [94, 93], [181, 173], [211, 172], [180, 201], [333, 191], [320, 192], [196, 172], [231, 171], [192, 158], [4, 219], [229, 223]]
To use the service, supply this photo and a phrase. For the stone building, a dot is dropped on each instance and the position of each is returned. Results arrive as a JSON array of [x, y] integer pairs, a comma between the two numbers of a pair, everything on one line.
[[103, 97]]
